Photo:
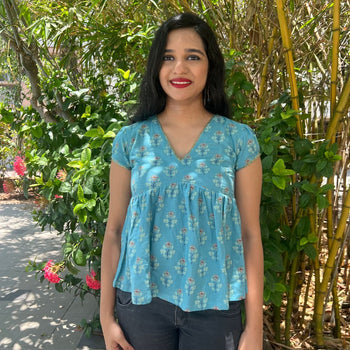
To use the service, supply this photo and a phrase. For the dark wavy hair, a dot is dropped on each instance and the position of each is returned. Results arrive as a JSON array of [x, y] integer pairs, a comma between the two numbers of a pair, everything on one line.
[[152, 98]]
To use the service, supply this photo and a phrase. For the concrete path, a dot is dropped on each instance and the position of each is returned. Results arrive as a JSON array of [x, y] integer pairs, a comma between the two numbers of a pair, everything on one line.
[[33, 316]]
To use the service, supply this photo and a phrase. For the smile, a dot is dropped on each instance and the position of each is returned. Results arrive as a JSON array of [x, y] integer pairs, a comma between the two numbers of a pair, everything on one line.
[[180, 83]]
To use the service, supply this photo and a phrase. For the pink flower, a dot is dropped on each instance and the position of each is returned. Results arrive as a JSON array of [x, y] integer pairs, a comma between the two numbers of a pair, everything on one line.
[[61, 175], [92, 282], [51, 272], [58, 196], [19, 166], [8, 186]]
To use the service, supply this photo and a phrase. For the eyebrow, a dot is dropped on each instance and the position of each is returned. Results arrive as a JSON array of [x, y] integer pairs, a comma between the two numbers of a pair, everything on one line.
[[187, 50]]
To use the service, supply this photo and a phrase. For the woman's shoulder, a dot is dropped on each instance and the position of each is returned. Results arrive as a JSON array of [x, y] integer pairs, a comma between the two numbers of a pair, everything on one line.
[[231, 124], [137, 126]]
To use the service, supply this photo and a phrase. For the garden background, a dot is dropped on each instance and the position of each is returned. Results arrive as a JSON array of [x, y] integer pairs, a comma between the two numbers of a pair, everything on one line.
[[70, 72]]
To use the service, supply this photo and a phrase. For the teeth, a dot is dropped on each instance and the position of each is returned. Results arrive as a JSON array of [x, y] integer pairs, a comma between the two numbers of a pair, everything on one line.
[[181, 82]]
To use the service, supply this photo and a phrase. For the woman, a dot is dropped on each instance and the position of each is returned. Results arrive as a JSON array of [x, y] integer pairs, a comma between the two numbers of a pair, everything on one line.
[[182, 246]]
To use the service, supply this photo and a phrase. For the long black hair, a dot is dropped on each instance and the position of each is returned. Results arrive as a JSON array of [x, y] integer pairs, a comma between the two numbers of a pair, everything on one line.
[[152, 98]]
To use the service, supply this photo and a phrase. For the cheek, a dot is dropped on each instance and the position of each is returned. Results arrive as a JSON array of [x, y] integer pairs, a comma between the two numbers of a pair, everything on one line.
[[162, 77]]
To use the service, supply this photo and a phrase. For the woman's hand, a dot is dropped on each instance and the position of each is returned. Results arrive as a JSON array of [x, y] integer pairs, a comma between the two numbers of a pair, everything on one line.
[[114, 338], [250, 341]]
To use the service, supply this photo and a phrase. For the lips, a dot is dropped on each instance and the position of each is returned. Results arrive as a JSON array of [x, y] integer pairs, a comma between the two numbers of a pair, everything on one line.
[[180, 83]]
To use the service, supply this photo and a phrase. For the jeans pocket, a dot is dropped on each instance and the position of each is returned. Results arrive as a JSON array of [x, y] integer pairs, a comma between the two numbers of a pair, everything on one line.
[[123, 299]]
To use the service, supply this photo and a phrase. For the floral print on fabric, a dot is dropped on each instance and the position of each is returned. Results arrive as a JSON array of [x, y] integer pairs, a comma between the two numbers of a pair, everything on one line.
[[182, 237]]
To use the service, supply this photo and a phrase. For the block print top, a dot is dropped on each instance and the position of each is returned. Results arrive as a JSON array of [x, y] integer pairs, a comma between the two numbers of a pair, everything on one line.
[[181, 239]]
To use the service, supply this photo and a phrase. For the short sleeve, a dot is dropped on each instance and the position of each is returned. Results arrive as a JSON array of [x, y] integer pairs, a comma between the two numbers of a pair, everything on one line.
[[247, 147], [121, 148]]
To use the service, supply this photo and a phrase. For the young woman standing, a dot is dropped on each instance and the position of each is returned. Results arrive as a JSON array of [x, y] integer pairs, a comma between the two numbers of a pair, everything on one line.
[[182, 246]]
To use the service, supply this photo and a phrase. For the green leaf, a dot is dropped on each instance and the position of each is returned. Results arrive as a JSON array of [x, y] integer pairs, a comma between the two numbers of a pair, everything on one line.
[[85, 155], [59, 287], [276, 299], [82, 214], [310, 187], [247, 85], [267, 162], [322, 202], [78, 208], [310, 251], [90, 204], [80, 194], [92, 133], [326, 188], [37, 132], [240, 98], [279, 182], [76, 164], [72, 269], [77, 175], [279, 287], [306, 200], [267, 148], [278, 167], [303, 226], [289, 113], [97, 143], [321, 164], [67, 248], [79, 258], [64, 150], [302, 146], [303, 241], [109, 134]]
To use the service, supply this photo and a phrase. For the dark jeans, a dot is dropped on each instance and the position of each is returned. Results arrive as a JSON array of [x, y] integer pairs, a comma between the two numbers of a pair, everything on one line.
[[161, 325]]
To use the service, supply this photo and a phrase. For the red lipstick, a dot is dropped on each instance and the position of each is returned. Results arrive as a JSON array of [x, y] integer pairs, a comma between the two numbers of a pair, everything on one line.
[[180, 83]]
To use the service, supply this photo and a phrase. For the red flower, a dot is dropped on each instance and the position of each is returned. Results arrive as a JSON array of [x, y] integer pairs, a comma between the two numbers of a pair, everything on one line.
[[92, 282], [8, 186], [58, 196], [51, 272], [19, 166]]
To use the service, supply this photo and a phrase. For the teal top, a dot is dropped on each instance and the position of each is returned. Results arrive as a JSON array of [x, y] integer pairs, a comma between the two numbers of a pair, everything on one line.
[[181, 239]]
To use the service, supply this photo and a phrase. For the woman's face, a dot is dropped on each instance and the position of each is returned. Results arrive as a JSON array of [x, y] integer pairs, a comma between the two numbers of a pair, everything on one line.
[[184, 70]]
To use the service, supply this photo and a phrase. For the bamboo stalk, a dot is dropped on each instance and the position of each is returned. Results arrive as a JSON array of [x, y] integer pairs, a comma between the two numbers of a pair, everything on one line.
[[264, 72], [335, 54], [289, 61], [290, 299], [232, 25], [329, 267], [339, 111]]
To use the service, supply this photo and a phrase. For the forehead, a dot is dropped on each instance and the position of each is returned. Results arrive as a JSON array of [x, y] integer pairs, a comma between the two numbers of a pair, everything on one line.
[[184, 37]]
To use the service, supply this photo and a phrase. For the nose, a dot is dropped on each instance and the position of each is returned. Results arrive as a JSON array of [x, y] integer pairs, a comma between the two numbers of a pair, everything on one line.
[[180, 66]]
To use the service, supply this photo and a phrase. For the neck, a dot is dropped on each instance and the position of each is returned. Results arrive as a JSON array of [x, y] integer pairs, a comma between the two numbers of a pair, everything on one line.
[[184, 114]]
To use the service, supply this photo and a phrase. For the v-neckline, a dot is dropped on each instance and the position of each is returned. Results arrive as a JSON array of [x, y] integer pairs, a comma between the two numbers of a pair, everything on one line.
[[181, 159]]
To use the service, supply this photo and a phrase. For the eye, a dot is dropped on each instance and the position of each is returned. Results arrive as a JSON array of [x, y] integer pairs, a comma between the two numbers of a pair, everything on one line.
[[193, 58], [168, 58]]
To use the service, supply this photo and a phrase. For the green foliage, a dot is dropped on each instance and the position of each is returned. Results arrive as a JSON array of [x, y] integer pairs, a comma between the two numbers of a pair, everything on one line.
[[8, 146], [293, 169], [238, 88], [69, 162]]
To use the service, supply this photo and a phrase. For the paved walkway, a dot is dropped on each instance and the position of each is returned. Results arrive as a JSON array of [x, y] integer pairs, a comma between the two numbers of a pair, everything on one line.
[[33, 316]]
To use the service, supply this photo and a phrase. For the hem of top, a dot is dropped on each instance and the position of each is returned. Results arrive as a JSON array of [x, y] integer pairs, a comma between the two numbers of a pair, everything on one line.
[[252, 161], [167, 301], [123, 166]]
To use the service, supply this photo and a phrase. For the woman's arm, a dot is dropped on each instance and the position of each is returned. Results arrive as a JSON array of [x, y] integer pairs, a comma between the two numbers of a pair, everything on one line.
[[119, 200], [248, 195]]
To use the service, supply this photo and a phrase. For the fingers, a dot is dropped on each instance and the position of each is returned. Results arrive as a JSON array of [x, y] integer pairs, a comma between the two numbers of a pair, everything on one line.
[[123, 344]]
